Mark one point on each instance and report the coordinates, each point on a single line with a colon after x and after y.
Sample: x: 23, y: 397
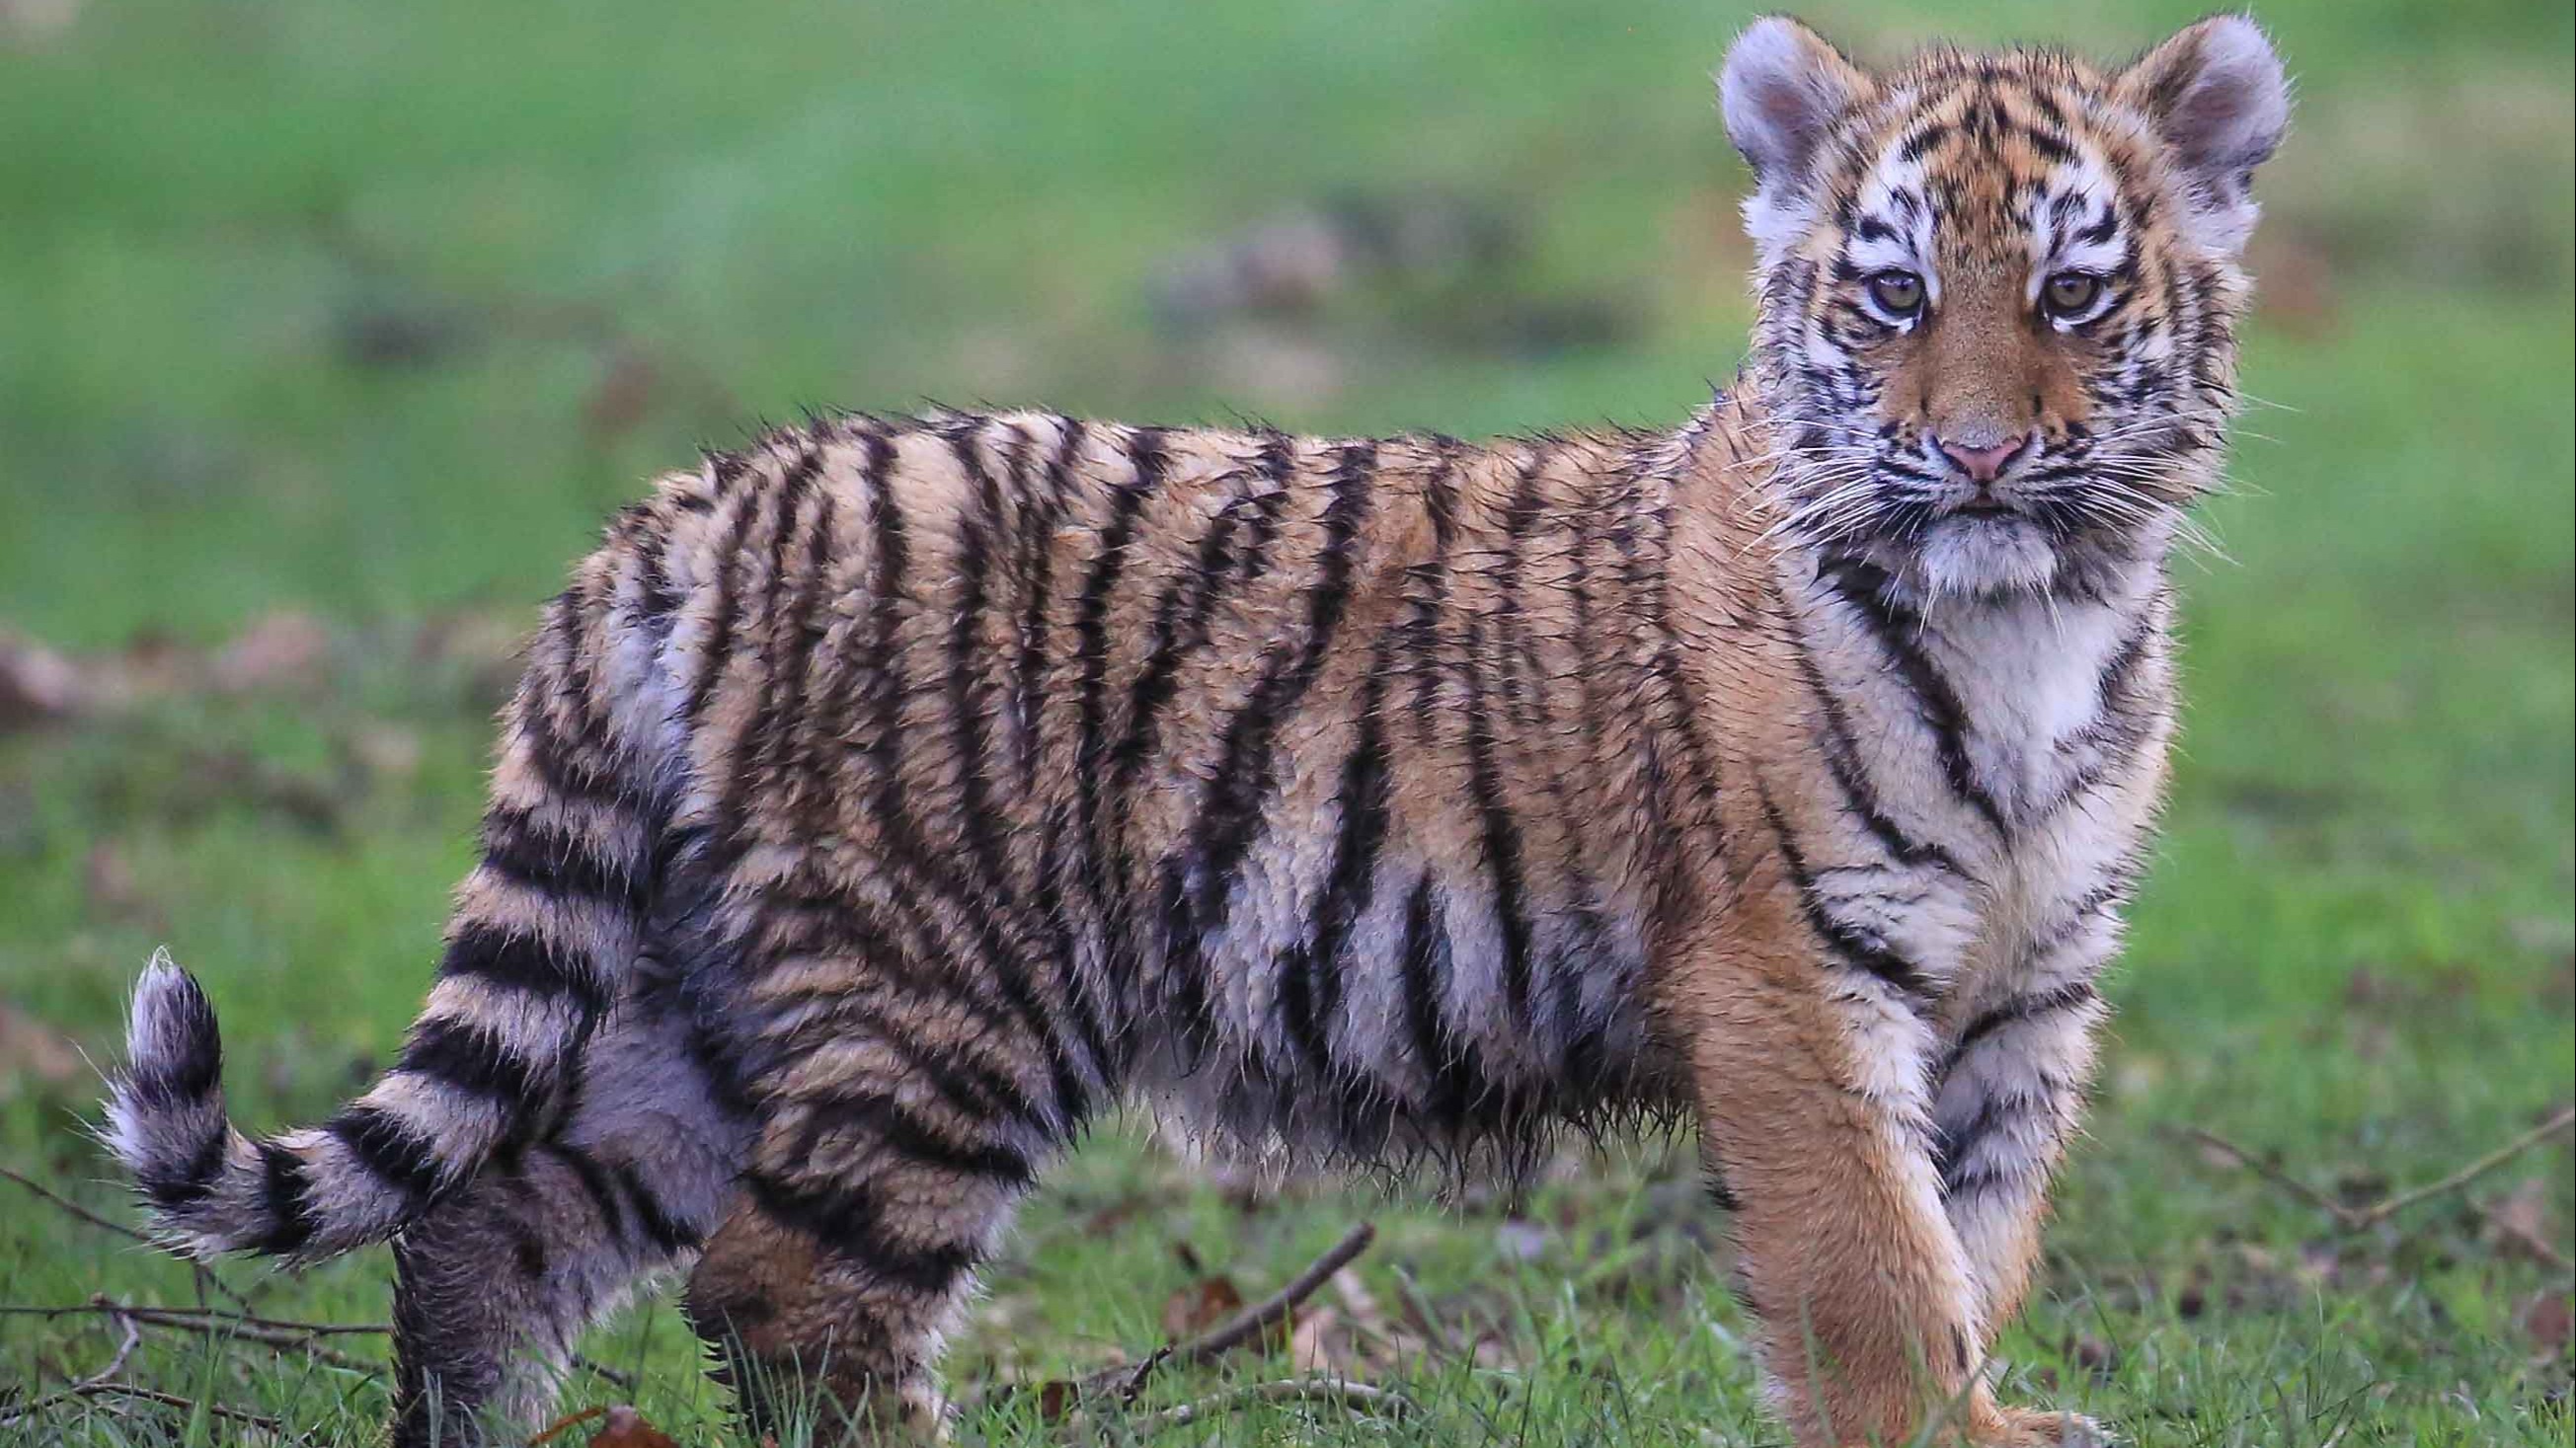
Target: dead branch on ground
x: 2360, y: 1219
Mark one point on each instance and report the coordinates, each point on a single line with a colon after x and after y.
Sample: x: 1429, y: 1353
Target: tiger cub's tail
x: 546, y: 929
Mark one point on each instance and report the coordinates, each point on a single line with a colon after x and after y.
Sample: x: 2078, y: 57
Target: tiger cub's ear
x: 2215, y: 95
x: 1782, y: 89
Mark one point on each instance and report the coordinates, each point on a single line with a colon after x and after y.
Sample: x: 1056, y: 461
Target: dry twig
x: 2357, y: 1219
x: 277, y: 1332
x: 73, y: 1208
x: 206, y: 1277
x: 1125, y: 1382
x: 87, y: 1389
x: 1349, y: 1396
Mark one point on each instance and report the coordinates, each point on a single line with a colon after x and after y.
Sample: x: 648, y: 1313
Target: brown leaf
x: 1322, y: 1343
x: 626, y: 1428
x: 563, y: 1425
x: 2550, y: 1319
x: 1201, y: 1305
x: 1057, y: 1398
x: 2521, y: 1220
x: 1360, y: 1303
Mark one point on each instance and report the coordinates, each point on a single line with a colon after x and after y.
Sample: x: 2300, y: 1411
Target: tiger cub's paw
x: 2043, y: 1428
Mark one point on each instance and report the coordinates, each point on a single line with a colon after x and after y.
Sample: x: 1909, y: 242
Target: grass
x: 371, y: 314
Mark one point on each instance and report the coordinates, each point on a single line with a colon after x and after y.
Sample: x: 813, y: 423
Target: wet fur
x: 888, y: 800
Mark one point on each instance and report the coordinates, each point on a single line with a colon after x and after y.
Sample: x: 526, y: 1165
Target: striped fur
x: 891, y: 798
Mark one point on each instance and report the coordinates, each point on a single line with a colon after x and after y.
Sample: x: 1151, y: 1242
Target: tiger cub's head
x: 1999, y: 293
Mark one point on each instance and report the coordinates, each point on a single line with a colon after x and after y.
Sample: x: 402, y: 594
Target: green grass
x: 2357, y: 953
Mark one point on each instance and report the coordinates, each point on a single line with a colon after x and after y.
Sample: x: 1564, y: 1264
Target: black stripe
x: 1511, y: 639
x: 473, y: 1060
x: 1037, y: 562
x: 559, y: 765
x: 768, y: 734
x: 2013, y: 1012
x: 577, y: 691
x: 977, y: 527
x: 284, y: 1187
x: 1699, y: 758
x: 595, y: 1184
x: 717, y: 652
x: 392, y: 1149
x: 1088, y: 865
x: 787, y: 751
x: 1181, y: 615
x: 857, y: 928
x: 1864, y: 588
x: 1951, y: 1146
x: 1500, y: 837
x: 1199, y: 880
x: 1037, y: 569
x: 1310, y: 977
x: 667, y: 1233
x: 1453, y: 1082
x: 194, y: 1180
x: 662, y: 598
x: 1146, y: 460
x: 1850, y: 775
x: 1856, y: 948
x: 1641, y: 585
x: 878, y: 1115
x: 544, y: 858
x: 878, y: 678
x: 849, y: 1223
x: 489, y: 952
x: 1427, y: 586
x: 907, y: 856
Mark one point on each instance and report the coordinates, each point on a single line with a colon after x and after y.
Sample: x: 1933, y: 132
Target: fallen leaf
x: 2521, y: 1220
x: 1322, y: 1344
x: 626, y: 1428
x: 560, y: 1426
x: 1057, y: 1398
x: 1201, y: 1305
x: 2550, y: 1319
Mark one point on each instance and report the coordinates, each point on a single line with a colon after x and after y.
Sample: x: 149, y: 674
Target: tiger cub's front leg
x: 2010, y: 1096
x: 1812, y: 1084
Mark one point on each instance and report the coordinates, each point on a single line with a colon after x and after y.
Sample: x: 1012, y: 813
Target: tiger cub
x: 887, y: 800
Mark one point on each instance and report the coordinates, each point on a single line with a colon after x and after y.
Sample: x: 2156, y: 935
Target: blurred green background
x: 328, y: 333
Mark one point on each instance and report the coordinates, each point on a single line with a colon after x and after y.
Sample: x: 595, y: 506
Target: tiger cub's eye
x: 2071, y: 294
x: 1898, y: 293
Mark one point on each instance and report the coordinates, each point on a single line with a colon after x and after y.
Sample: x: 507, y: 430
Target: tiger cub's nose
x: 1984, y: 464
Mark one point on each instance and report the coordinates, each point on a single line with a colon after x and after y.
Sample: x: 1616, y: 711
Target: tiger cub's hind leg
x: 843, y: 1290
x: 495, y: 1286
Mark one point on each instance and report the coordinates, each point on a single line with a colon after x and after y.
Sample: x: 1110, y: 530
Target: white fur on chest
x: 2071, y: 789
x: 2028, y: 673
